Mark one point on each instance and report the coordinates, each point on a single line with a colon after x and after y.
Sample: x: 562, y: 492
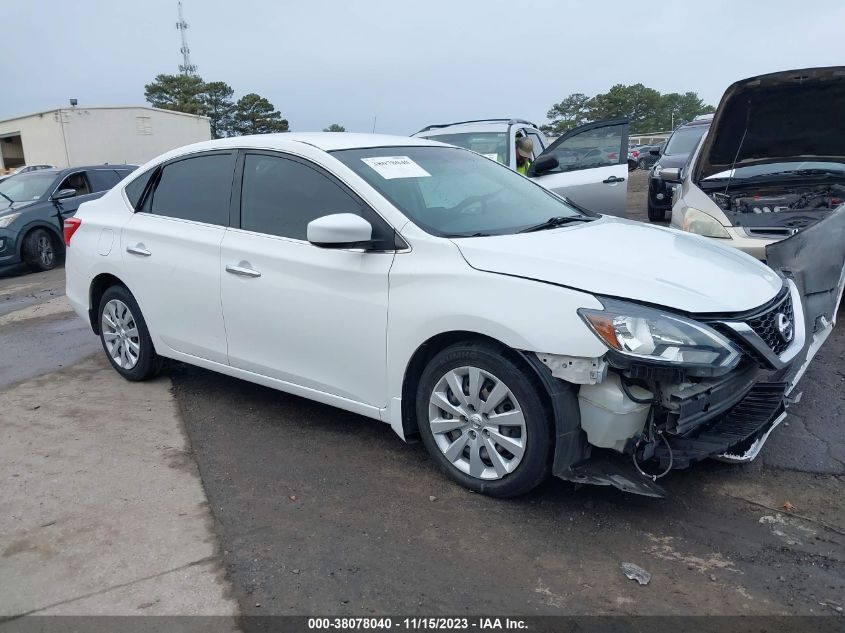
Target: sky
x: 404, y: 64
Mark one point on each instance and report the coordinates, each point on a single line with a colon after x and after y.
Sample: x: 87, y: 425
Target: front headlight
x: 700, y: 223
x: 655, y: 171
x: 652, y: 335
x: 6, y: 220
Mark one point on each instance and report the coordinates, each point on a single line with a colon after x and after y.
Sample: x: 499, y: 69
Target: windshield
x: 454, y: 193
x: 753, y: 171
x: 685, y: 139
x: 26, y: 187
x: 490, y: 144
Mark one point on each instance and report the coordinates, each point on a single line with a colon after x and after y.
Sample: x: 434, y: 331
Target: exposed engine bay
x: 784, y: 210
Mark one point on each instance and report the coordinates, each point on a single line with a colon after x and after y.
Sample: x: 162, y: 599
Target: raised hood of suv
x: 787, y: 116
x: 630, y: 260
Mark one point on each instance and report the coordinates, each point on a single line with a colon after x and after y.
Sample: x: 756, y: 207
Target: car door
x: 171, y: 251
x: 311, y: 316
x: 592, y: 166
x: 67, y: 207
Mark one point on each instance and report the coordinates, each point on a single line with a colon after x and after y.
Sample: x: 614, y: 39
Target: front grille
x: 765, y: 324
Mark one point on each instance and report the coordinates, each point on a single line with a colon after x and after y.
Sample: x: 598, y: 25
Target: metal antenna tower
x: 186, y: 67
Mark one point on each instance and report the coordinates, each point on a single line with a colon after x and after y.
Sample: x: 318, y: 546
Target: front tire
x: 656, y: 215
x: 482, y: 420
x: 125, y: 337
x: 39, y: 250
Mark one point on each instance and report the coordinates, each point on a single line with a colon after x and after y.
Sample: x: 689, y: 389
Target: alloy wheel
x: 46, y: 253
x: 120, y: 333
x: 477, y: 423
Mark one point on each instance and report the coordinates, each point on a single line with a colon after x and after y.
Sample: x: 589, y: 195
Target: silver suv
x: 587, y: 165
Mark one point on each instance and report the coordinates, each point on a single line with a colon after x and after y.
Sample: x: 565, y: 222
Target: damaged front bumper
x: 730, y: 418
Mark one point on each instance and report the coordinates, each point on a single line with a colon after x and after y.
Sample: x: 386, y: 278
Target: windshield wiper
x: 555, y: 222
x: 7, y: 197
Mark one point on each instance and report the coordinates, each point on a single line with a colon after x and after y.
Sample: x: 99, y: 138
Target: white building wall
x: 88, y: 136
x: 128, y: 135
x: 41, y: 137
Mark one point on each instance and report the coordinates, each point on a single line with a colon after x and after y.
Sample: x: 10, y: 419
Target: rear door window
x: 197, y: 188
x: 102, y: 179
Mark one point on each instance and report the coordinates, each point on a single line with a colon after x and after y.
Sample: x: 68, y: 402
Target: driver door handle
x: 243, y: 271
x: 138, y: 250
x: 613, y: 179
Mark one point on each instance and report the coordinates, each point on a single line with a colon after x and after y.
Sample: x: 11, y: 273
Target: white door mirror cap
x: 340, y: 230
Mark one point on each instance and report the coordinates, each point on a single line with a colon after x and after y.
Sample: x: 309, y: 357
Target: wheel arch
x: 98, y: 287
x: 434, y: 344
x: 58, y: 239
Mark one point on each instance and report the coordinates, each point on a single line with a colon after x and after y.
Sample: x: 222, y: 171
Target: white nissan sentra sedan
x: 455, y: 300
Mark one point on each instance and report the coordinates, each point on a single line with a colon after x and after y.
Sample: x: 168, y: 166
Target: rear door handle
x: 613, y: 179
x: 243, y: 271
x: 137, y: 250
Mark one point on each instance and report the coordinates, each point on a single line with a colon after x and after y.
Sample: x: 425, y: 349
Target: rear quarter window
x: 135, y: 189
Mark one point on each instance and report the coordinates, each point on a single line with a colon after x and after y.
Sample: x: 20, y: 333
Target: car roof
x: 326, y: 141
x: 57, y: 171
x: 478, y: 125
x: 694, y: 122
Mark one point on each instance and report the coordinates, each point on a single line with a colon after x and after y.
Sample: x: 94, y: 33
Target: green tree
x: 569, y: 113
x: 334, y: 127
x: 638, y: 104
x: 256, y: 115
x: 216, y: 103
x: 645, y: 108
x: 176, y: 92
x: 682, y: 108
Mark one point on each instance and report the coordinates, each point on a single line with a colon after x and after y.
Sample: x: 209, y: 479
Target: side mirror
x: 340, y: 230
x: 654, y: 152
x: 61, y: 194
x: 544, y: 164
x: 670, y: 174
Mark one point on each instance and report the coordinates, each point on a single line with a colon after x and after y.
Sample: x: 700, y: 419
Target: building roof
x: 82, y: 109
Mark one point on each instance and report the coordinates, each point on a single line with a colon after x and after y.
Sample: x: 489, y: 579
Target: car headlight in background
x: 700, y: 223
x: 651, y: 335
x: 6, y: 220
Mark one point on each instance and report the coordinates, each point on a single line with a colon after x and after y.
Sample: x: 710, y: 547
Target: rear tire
x: 502, y: 450
x: 125, y: 337
x: 656, y: 215
x: 642, y: 164
x: 39, y: 250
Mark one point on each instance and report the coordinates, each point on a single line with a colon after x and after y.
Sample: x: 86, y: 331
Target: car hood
x: 631, y: 260
x: 8, y: 207
x: 672, y: 160
x: 793, y: 115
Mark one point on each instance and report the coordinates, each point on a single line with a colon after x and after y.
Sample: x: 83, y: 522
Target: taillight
x: 71, y: 224
x: 611, y: 156
x: 634, y: 154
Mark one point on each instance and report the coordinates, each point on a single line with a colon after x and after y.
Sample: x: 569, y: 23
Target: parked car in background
x: 34, y: 206
x: 647, y: 155
x: 479, y: 311
x: 633, y: 155
x: 23, y: 170
x: 587, y: 165
x: 674, y: 154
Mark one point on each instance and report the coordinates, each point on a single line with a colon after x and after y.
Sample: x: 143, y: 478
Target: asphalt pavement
x: 318, y: 511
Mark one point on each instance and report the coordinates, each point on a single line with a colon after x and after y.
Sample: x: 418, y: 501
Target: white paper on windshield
x: 492, y: 157
x: 390, y: 167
